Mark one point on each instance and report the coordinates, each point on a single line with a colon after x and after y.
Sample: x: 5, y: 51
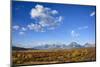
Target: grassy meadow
x: 28, y: 57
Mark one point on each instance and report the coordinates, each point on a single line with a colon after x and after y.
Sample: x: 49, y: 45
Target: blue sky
x: 38, y: 23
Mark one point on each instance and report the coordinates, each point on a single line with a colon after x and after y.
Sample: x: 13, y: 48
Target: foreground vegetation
x: 34, y: 57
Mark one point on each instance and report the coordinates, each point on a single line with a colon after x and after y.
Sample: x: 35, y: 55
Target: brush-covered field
x: 27, y: 57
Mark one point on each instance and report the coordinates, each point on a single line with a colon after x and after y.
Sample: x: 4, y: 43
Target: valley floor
x: 34, y: 57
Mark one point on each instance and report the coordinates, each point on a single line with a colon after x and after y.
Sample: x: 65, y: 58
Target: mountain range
x: 56, y: 46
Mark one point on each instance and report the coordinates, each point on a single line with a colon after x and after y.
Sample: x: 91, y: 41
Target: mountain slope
x: 89, y: 45
x: 74, y: 45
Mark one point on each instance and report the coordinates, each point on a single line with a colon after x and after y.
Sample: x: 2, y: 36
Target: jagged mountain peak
x: 74, y: 44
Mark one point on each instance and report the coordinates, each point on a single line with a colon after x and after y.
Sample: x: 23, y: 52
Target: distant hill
x: 18, y: 48
x: 21, y: 48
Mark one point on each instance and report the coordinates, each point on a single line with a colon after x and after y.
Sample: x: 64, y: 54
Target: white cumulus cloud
x: 23, y: 29
x: 54, y: 12
x: 35, y: 27
x: 38, y: 11
x: 92, y: 14
x: 46, y: 17
x: 74, y: 33
x: 21, y: 32
x: 16, y: 27
x: 83, y: 27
